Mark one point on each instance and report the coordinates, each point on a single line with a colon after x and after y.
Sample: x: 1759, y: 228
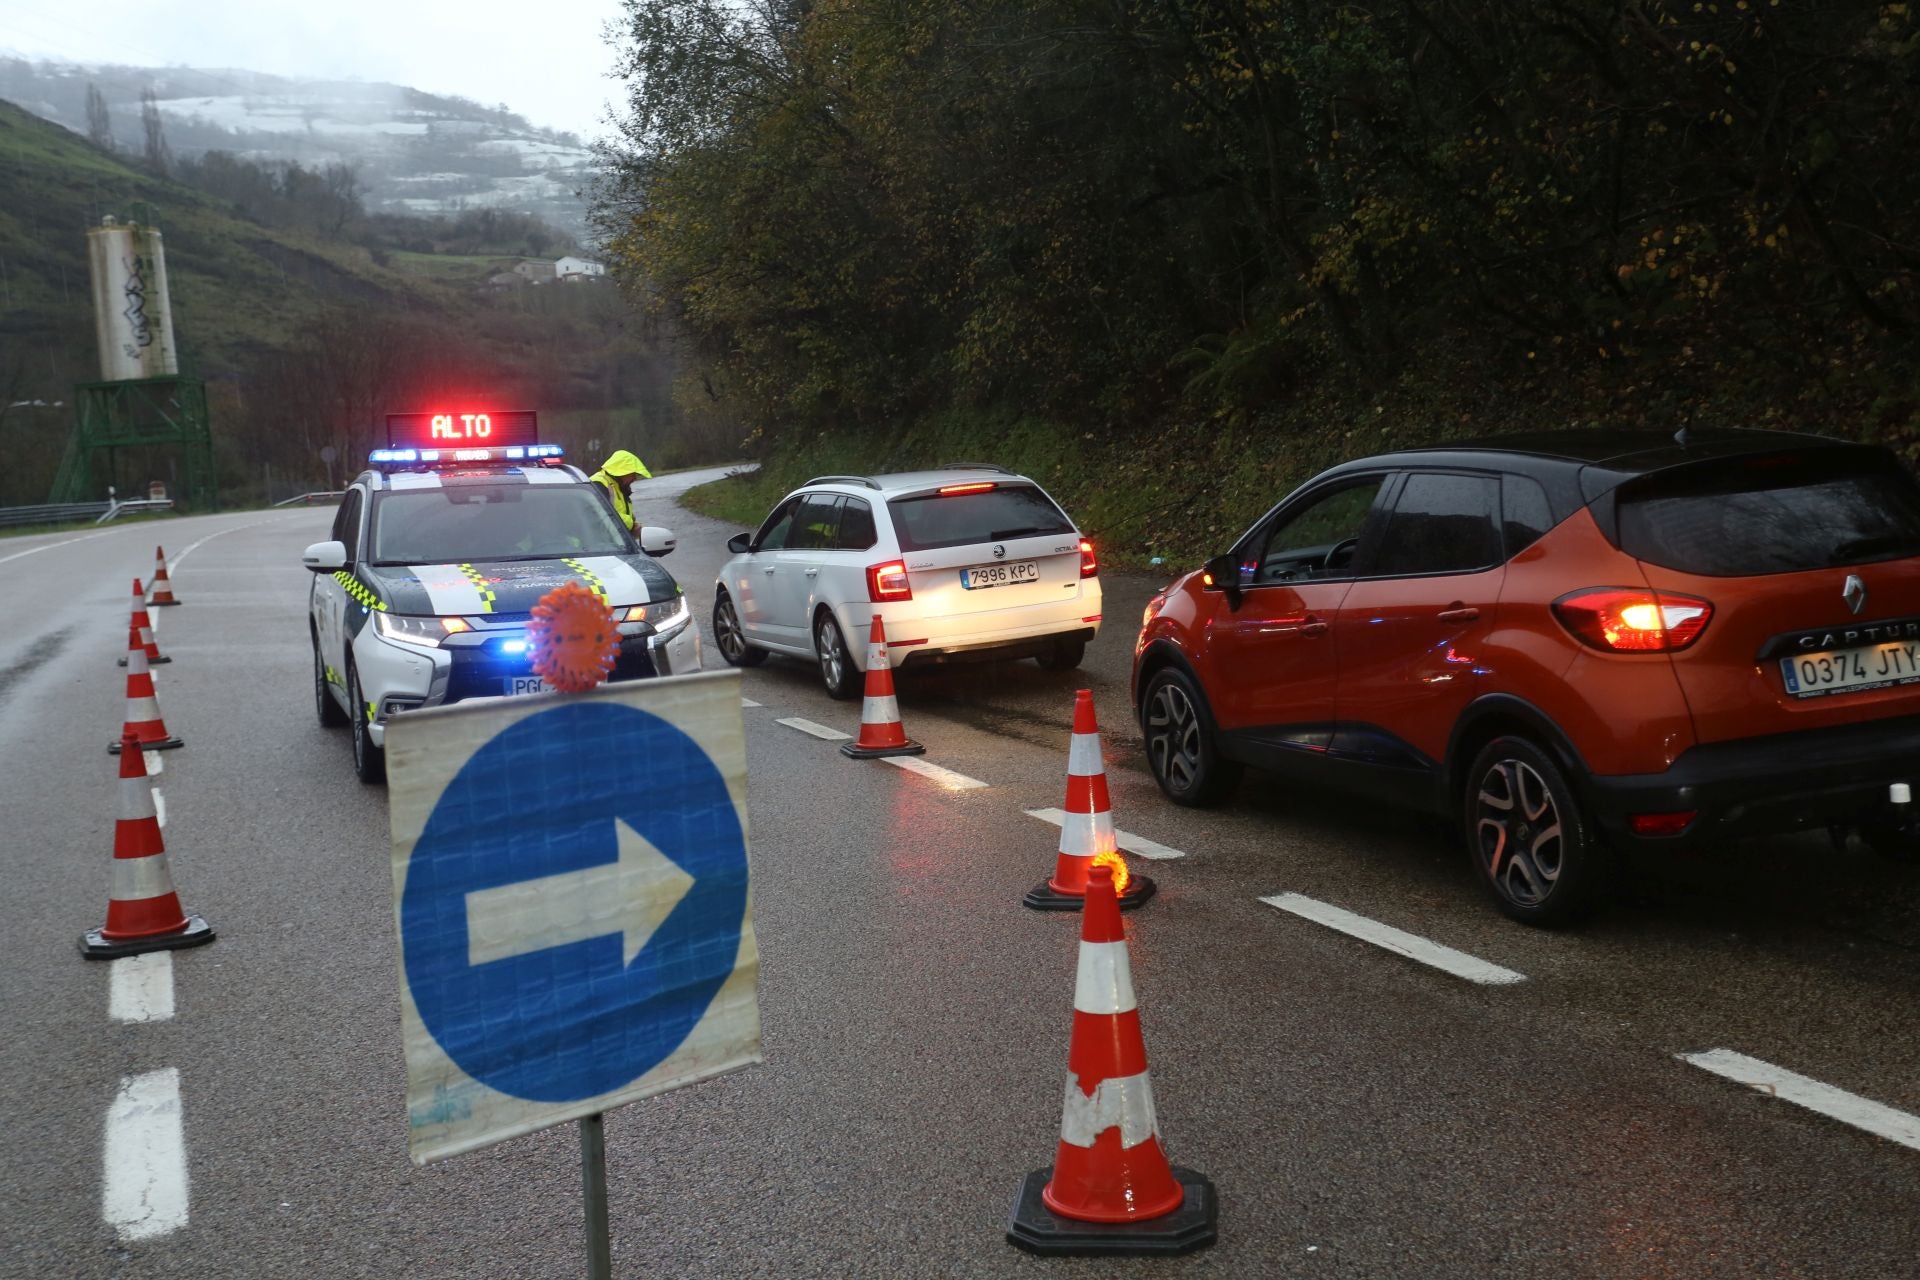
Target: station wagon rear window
x: 990, y: 515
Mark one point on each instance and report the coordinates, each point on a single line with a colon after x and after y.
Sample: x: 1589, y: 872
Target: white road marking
x: 1134, y: 844
x: 217, y: 533
x: 48, y: 546
x: 145, y: 1191
x: 945, y: 777
x: 159, y: 807
x: 748, y: 702
x: 155, y: 763
x: 817, y: 730
x: 1837, y: 1104
x: 1398, y: 941
x: 140, y: 988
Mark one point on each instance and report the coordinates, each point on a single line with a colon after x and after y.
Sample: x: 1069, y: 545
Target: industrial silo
x: 132, y: 314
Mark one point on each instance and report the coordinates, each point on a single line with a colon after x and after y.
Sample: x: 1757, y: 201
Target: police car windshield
x: 456, y: 523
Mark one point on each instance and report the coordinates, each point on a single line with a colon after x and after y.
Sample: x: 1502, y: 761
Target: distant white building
x: 565, y: 267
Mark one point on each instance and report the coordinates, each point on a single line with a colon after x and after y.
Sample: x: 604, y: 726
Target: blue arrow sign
x: 574, y: 902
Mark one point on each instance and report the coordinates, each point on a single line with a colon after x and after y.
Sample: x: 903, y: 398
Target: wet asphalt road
x: 1362, y: 1115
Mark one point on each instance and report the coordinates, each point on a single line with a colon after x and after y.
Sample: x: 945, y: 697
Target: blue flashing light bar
x: 507, y: 453
x: 394, y: 455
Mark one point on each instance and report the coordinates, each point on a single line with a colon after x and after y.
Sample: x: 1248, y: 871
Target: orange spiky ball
x: 573, y: 638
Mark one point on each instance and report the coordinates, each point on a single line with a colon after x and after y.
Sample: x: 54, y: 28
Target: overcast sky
x: 546, y: 60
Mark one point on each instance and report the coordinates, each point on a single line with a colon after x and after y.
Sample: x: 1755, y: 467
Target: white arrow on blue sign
x: 572, y: 894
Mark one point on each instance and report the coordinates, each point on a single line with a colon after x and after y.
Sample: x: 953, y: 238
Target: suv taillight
x: 1089, y: 565
x: 1625, y: 620
x: 888, y: 582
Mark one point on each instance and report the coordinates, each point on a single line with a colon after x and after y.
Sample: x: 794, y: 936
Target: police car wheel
x: 837, y: 672
x: 324, y: 704
x: 732, y: 637
x: 369, y: 761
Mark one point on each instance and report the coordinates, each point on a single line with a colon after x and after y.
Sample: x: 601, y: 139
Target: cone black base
x: 164, y: 744
x: 152, y: 662
x: 907, y: 748
x: 95, y: 947
x: 1044, y: 897
x: 162, y: 604
x: 1038, y: 1229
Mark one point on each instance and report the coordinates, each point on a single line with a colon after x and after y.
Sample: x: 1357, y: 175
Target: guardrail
x: 54, y: 513
x: 310, y: 499
x: 114, y: 508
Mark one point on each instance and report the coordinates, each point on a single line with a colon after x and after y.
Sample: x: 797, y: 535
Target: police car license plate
x: 999, y: 575
x: 527, y: 684
x: 1879, y: 666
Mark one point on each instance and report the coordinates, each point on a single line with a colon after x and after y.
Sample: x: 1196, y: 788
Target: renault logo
x: 1000, y: 553
x: 1854, y: 593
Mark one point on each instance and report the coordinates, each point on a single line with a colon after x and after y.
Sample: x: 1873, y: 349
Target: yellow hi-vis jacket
x: 620, y: 464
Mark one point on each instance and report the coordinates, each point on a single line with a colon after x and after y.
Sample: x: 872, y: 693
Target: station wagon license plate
x: 527, y: 684
x: 999, y: 575
x: 1880, y: 666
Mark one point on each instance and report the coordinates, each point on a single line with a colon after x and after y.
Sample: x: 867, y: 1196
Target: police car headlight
x: 668, y: 617
x: 425, y: 632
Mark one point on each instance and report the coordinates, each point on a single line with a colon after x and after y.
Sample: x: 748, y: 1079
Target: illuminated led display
x: 463, y: 427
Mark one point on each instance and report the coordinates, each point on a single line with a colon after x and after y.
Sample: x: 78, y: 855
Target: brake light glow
x: 951, y: 489
x: 888, y: 582
x: 1661, y: 824
x: 1089, y: 563
x: 1626, y: 620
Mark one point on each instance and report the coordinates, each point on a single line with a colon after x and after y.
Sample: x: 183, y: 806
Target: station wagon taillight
x: 888, y: 582
x: 1089, y: 564
x: 1626, y: 620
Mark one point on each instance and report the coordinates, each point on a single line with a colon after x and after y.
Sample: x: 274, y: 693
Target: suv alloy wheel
x: 324, y: 705
x: 369, y: 761
x: 1529, y: 839
x: 1181, y: 749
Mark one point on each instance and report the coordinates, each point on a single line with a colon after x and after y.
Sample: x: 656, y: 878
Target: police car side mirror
x: 325, y: 557
x: 656, y: 541
x: 740, y: 543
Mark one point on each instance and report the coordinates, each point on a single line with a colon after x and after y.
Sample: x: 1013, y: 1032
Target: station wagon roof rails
x: 860, y: 480
x: 975, y: 466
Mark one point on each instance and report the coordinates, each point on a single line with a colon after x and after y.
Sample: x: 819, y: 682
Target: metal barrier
x: 54, y: 513
x: 310, y: 499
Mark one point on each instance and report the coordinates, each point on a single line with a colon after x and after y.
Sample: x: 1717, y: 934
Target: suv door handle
x: 813, y: 573
x: 768, y: 569
x: 1313, y: 627
x: 1460, y: 613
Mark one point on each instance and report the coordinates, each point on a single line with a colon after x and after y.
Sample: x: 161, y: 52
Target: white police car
x: 438, y: 555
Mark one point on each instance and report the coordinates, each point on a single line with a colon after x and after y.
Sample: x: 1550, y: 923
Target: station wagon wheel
x: 731, y: 636
x: 1182, y: 749
x: 1530, y: 840
x: 837, y: 671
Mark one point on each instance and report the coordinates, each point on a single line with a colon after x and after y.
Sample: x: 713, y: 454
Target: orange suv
x: 1573, y: 644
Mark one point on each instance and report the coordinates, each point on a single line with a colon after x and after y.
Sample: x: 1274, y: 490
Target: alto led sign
x: 455, y: 428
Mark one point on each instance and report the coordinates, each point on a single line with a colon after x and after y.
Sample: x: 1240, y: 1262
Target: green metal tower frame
x: 140, y: 412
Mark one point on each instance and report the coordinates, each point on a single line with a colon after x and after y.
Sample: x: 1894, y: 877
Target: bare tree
x: 99, y: 123
x: 159, y: 157
x: 343, y: 193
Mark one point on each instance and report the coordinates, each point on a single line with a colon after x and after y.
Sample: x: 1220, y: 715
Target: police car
x: 441, y: 549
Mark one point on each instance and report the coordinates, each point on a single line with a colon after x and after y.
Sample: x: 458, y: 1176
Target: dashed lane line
x: 144, y: 1194
x: 140, y: 988
x: 155, y: 763
x: 159, y: 807
x: 1836, y: 1104
x: 1134, y: 844
x: 944, y: 777
x: 1398, y: 941
x: 817, y: 730
x: 748, y: 702
x: 49, y: 546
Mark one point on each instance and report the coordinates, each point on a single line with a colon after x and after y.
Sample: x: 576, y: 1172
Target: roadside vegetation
x: 1172, y: 255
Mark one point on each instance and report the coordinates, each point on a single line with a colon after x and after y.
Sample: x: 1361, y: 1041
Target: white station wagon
x: 965, y: 563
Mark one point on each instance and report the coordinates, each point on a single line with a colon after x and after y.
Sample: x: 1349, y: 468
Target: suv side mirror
x: 1222, y: 573
x: 740, y: 543
x: 325, y: 557
x: 656, y: 541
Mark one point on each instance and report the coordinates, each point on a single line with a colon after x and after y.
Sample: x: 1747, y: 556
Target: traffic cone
x: 880, y: 731
x: 1110, y: 1189
x: 162, y: 585
x: 1086, y: 836
x: 144, y: 625
x: 143, y: 910
x: 144, y: 724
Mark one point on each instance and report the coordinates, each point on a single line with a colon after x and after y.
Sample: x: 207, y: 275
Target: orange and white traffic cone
x: 1111, y: 1189
x: 144, y: 724
x: 144, y: 625
x: 1086, y: 833
x: 162, y: 585
x: 880, y: 731
x: 143, y: 909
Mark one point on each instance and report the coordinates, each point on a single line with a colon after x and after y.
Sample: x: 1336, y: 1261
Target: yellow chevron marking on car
x: 479, y: 581
x: 592, y: 581
x: 359, y: 590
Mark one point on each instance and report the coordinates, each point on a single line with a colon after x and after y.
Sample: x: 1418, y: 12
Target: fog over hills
x: 416, y: 152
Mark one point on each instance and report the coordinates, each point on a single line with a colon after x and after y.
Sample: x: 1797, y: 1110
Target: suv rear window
x: 1773, y: 514
x: 955, y: 519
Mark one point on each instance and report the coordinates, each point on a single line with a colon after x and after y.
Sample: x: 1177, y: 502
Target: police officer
x: 618, y: 475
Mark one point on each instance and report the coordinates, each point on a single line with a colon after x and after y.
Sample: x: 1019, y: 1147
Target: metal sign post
x: 593, y: 1187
